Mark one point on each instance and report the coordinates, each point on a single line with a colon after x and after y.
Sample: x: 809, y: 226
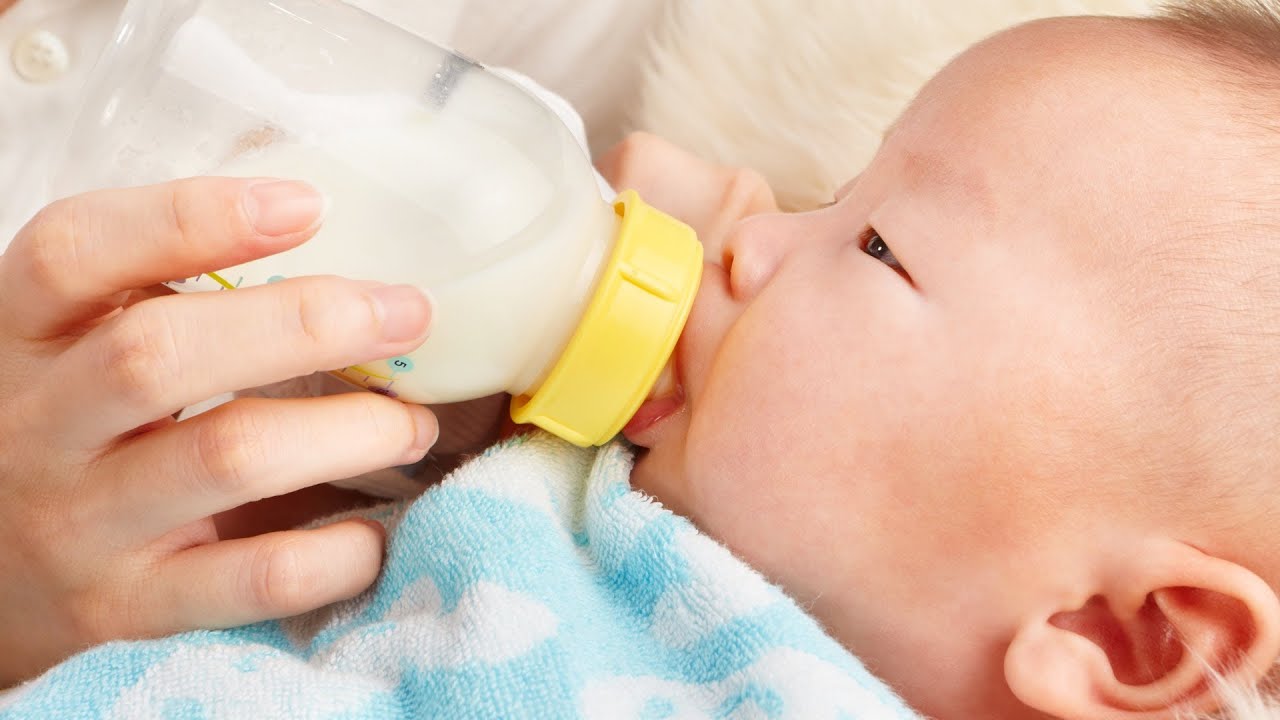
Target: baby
x: 1000, y: 417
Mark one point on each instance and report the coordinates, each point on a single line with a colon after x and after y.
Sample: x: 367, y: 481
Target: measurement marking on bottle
x: 367, y: 373
x: 362, y: 375
x: 221, y: 281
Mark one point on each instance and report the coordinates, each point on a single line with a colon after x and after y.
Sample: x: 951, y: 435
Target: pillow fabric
x: 802, y: 90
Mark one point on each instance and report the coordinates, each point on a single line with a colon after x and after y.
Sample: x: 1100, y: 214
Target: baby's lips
x: 665, y: 398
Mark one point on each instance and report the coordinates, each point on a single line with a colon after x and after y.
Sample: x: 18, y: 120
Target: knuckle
x: 49, y: 244
x: 140, y: 357
x: 86, y: 616
x: 277, y: 580
x: 229, y: 449
x: 189, y: 204
x: 177, y: 207
x: 390, y: 421
x: 328, y: 314
x: 97, y: 615
x: 316, y: 321
x: 215, y: 206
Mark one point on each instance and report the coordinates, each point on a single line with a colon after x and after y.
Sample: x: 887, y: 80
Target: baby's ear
x: 1165, y: 624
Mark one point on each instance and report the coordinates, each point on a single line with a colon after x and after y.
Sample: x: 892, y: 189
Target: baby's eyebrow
x: 932, y: 186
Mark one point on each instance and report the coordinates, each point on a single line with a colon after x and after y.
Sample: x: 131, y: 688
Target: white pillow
x: 801, y: 90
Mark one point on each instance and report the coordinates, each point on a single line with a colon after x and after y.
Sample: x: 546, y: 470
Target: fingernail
x: 405, y: 312
x: 426, y: 431
x: 283, y: 207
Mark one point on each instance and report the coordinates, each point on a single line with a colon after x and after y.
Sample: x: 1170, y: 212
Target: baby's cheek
x: 746, y: 441
x: 763, y: 501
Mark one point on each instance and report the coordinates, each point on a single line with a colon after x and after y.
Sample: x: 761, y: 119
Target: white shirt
x: 586, y: 51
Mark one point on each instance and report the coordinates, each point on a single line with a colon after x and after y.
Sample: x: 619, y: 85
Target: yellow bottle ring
x: 627, y: 333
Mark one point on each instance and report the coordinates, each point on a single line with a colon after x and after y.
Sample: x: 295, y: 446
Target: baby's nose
x: 753, y: 250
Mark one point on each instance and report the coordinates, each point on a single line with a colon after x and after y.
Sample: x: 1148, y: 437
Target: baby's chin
x: 647, y: 471
x: 659, y: 474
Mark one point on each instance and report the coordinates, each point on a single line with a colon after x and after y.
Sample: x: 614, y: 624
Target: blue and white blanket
x: 532, y: 583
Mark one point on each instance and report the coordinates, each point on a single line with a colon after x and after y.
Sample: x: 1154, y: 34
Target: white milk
x: 507, y: 244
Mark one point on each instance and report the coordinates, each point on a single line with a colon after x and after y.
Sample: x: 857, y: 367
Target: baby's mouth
x: 666, y: 397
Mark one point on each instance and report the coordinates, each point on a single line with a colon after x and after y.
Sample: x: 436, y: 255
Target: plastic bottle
x: 438, y: 172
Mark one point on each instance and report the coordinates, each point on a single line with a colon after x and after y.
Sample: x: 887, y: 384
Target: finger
x: 167, y: 353
x: 237, y: 582
x: 250, y: 449
x: 707, y: 196
x: 290, y: 511
x: 76, y: 257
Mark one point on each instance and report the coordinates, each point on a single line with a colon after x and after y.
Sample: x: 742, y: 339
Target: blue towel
x: 532, y: 583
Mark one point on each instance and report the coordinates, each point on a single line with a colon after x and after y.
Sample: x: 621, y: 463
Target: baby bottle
x: 438, y: 172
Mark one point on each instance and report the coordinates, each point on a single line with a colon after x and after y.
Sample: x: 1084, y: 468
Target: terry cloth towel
x: 532, y: 583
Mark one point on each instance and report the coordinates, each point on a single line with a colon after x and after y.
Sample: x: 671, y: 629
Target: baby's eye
x: 876, y: 247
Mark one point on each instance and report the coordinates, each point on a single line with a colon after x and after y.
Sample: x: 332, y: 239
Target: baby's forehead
x: 1042, y: 78
x: 1087, y: 123
x: 1087, y: 151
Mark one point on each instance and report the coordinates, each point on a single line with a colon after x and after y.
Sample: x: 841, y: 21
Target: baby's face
x: 903, y: 445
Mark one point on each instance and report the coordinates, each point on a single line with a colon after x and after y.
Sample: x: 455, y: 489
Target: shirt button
x: 40, y: 57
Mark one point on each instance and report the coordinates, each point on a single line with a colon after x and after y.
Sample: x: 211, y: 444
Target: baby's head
x: 1003, y: 416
